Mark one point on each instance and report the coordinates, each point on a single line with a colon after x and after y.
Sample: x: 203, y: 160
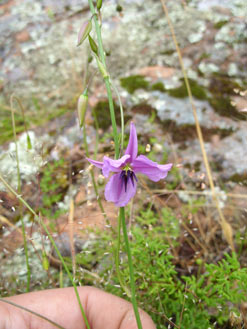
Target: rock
x: 30, y: 160
x: 63, y: 244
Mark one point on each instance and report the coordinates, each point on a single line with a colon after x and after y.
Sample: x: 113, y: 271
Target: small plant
x: 188, y: 301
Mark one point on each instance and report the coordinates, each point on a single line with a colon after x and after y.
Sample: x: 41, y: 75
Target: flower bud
x: 93, y: 45
x: 82, y: 107
x: 99, y: 4
x: 84, y: 32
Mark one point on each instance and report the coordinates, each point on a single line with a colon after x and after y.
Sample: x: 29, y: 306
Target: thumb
x: 102, y: 309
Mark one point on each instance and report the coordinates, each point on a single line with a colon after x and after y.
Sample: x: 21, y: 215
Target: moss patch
x: 143, y: 108
x: 239, y: 178
x: 223, y: 85
x: 168, y: 52
x: 158, y: 86
x: 198, y: 91
x: 103, y: 114
x: 219, y: 24
x: 222, y: 89
x: 134, y: 82
x: 180, y: 133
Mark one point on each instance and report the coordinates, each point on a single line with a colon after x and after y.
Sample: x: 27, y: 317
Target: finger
x: 103, y: 310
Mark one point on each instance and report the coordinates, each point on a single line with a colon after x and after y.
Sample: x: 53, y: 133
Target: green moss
x: 143, y: 108
x: 102, y: 112
x: 222, y: 105
x: 168, y: 52
x: 223, y: 85
x: 133, y: 83
x: 221, y: 90
x: 239, y: 178
x: 204, y: 56
x: 158, y: 86
x: 181, y: 133
x: 198, y: 91
x: 219, y: 24
x: 197, y: 166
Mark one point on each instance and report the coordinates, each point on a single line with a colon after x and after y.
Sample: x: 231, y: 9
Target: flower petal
x: 110, y: 165
x: 96, y: 163
x: 115, y: 190
x: 132, y: 148
x: 152, y: 169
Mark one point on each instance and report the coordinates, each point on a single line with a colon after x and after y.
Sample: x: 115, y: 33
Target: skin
x: 103, y: 310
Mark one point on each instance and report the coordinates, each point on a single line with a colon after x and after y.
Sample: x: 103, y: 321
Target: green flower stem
x: 19, y: 192
x: 37, y: 218
x: 107, y: 79
x: 112, y: 113
x: 132, y: 279
x: 32, y: 312
x: 120, y: 279
x: 122, y: 117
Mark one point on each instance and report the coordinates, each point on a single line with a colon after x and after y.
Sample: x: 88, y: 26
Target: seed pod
x: 99, y: 4
x: 84, y: 32
x: 82, y: 107
x: 93, y: 45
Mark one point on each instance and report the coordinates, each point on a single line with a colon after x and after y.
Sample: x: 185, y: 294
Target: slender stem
x: 107, y: 81
x: 122, y: 117
x: 37, y: 218
x: 132, y: 279
x: 32, y: 312
x: 19, y: 192
x: 120, y: 279
x: 112, y: 113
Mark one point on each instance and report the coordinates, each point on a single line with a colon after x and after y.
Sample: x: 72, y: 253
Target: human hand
x: 103, y: 310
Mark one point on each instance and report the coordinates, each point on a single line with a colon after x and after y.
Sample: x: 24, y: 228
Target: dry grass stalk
x: 227, y: 230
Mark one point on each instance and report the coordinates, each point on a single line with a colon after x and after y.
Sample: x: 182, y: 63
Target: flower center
x: 126, y: 175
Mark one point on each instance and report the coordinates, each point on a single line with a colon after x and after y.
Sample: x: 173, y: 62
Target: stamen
x: 125, y: 182
x: 132, y: 179
x: 135, y: 176
x: 125, y: 176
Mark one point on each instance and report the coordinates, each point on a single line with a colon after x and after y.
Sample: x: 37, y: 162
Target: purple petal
x: 115, y: 191
x: 111, y: 165
x: 96, y: 163
x: 152, y: 169
x: 132, y: 148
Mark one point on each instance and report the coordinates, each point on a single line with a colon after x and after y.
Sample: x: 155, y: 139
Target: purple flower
x: 122, y: 185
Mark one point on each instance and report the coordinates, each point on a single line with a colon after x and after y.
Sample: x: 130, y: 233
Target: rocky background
x: 41, y: 64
